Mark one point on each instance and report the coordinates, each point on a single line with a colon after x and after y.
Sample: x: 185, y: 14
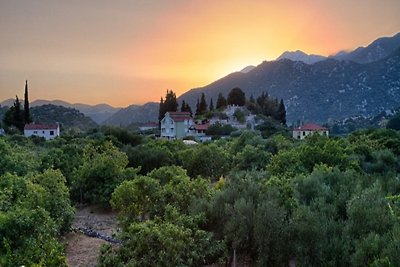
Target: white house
x: 304, y: 130
x: 48, y: 131
x: 176, y: 125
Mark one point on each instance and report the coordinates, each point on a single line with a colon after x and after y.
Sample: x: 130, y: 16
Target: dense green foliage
x: 265, y: 197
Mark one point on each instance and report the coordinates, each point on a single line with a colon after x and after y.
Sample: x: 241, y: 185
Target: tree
x: 27, y: 116
x: 211, y: 105
x: 14, y: 117
x: 103, y: 169
x: 221, y: 101
x: 161, y: 110
x: 236, y: 97
x: 186, y: 107
x: 201, y: 106
x: 394, y: 123
x: 169, y: 104
x: 281, y: 114
x: 18, y: 118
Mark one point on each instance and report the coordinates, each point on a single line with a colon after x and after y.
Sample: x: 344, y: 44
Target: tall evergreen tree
x: 282, y: 112
x: 186, y: 108
x: 211, y: 105
x: 183, y: 106
x: 198, y: 108
x: 161, y: 110
x: 18, y: 117
x: 169, y: 104
x: 202, y: 108
x: 221, y: 101
x: 252, y: 100
x: 27, y: 116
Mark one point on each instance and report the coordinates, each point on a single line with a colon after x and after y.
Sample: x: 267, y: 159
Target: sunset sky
x: 126, y: 52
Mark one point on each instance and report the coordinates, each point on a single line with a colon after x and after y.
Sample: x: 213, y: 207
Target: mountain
x: 377, y: 50
x: 326, y: 89
x: 134, y: 114
x: 68, y: 118
x: 247, y: 69
x: 301, y: 56
x: 98, y: 113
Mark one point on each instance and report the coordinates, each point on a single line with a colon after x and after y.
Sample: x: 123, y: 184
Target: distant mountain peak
x: 299, y: 55
x: 247, y: 69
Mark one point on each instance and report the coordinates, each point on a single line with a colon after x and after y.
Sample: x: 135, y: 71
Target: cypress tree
x: 211, y: 105
x: 202, y: 109
x: 169, y: 104
x: 282, y: 112
x: 161, y: 111
x: 18, y: 118
x: 221, y: 101
x: 27, y: 116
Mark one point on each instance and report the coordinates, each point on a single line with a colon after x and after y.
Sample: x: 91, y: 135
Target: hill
x: 134, y: 114
x: 316, y: 92
x: 68, y: 118
x: 98, y: 113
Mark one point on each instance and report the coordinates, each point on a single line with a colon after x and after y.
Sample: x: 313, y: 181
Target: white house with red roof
x: 307, y: 129
x: 176, y: 125
x: 48, y: 131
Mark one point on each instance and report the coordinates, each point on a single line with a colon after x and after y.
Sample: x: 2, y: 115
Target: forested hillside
x: 268, y: 200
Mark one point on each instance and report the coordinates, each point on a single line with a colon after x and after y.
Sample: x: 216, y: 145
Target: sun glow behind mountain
x: 126, y: 52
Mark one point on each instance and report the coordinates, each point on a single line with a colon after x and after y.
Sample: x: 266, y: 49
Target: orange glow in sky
x: 131, y: 52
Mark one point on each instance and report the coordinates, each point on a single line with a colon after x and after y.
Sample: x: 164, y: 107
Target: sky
x: 125, y: 52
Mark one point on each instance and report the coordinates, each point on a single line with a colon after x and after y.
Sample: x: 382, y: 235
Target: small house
x: 47, y: 131
x: 307, y: 129
x: 176, y: 125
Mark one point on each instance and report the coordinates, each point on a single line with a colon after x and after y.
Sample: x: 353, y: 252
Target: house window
x: 51, y: 132
x: 35, y: 132
x: 304, y: 133
x: 42, y: 132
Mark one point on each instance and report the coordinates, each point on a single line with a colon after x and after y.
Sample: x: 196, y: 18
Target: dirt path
x: 81, y: 250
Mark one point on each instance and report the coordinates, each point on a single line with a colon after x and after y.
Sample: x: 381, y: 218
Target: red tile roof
x: 180, y: 116
x: 310, y: 127
x: 201, y: 127
x: 34, y: 126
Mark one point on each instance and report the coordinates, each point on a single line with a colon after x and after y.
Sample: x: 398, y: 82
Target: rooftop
x: 33, y: 126
x: 310, y: 127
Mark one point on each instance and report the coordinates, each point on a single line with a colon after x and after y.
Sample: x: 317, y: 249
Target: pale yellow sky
x: 131, y: 52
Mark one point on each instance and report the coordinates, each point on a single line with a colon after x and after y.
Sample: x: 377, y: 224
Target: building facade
x: 47, y: 131
x: 308, y: 129
x: 176, y: 125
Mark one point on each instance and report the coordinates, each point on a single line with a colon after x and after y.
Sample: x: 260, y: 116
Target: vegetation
x: 262, y: 196
x: 169, y: 104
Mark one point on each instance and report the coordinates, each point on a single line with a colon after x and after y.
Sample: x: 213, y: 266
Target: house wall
x: 48, y: 134
x: 300, y: 135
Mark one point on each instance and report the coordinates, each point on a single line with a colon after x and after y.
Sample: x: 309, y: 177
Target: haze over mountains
x: 364, y: 82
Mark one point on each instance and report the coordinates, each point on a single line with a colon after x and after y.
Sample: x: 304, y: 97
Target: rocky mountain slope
x: 326, y: 89
x: 377, y: 50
